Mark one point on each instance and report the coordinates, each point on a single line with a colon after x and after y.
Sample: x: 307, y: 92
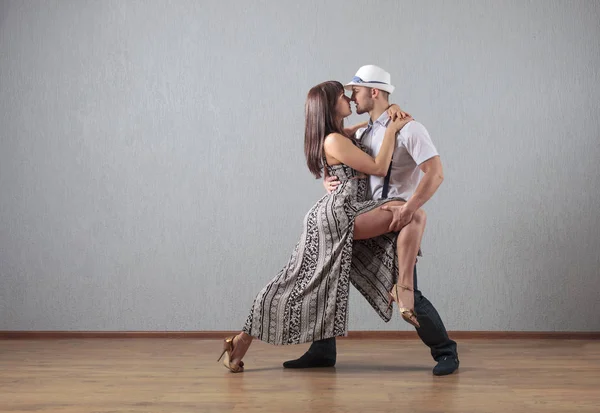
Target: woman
x: 307, y: 300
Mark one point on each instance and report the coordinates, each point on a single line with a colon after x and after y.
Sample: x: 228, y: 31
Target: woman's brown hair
x: 320, y: 121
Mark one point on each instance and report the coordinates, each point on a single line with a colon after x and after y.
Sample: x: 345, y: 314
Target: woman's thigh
x: 374, y: 223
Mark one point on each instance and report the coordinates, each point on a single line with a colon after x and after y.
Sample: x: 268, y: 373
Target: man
x: 371, y: 273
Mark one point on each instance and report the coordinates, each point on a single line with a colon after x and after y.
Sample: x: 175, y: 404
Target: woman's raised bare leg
x: 376, y: 222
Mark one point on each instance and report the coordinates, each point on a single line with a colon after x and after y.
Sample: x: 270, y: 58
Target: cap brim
x: 380, y: 86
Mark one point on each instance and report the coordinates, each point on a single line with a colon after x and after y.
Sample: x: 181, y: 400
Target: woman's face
x: 342, y: 107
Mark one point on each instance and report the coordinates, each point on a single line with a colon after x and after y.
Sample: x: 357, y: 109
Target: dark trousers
x: 432, y: 331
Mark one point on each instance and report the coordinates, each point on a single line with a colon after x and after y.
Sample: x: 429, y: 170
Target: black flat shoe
x: 321, y: 353
x: 446, y: 365
x: 309, y: 361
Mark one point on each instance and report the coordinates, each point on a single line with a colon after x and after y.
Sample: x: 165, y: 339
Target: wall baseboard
x: 364, y: 335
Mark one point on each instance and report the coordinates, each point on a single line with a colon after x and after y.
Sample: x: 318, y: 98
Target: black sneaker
x: 446, y: 365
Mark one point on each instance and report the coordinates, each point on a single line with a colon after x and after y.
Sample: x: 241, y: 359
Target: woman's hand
x: 395, y: 112
x: 399, y: 123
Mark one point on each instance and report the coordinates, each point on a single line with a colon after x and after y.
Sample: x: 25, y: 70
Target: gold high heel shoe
x: 227, y: 350
x: 408, y: 314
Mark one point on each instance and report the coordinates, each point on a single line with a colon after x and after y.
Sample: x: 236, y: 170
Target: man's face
x: 361, y: 96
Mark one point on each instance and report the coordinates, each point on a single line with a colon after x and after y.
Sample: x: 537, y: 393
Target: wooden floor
x: 181, y: 375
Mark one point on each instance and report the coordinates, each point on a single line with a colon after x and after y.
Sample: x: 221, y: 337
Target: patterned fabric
x: 374, y: 271
x: 308, y: 299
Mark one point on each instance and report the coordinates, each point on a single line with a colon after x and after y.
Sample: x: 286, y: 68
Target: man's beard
x: 364, y: 109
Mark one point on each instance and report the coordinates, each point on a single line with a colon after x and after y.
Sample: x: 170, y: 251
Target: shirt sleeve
x: 418, y: 143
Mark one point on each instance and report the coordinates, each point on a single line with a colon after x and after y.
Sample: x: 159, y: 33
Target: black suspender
x: 386, y: 181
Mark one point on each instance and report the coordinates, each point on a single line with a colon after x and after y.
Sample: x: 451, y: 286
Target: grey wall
x: 151, y: 155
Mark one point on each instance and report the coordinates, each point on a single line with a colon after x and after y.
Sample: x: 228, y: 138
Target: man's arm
x: 330, y: 182
x: 430, y: 182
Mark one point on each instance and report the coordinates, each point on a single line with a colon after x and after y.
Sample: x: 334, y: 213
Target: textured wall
x: 151, y: 155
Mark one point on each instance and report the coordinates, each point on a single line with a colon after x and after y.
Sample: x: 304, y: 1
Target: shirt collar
x: 382, y: 120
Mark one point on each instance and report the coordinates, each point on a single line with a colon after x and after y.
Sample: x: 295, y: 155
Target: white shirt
x: 413, y: 147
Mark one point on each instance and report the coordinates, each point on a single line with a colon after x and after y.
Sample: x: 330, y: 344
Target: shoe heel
x: 405, y: 313
x: 227, y: 345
